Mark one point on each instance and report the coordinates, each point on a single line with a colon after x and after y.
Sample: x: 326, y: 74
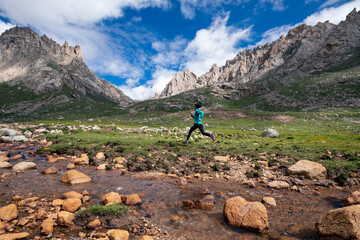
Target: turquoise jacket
x: 198, y: 116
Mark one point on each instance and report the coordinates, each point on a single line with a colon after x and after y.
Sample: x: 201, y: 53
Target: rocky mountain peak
x: 305, y: 50
x: 42, y: 65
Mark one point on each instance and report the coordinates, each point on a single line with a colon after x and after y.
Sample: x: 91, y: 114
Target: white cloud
x: 161, y: 77
x: 333, y: 14
x: 277, y: 5
x: 274, y: 33
x: 5, y: 26
x: 329, y: 3
x: 215, y: 44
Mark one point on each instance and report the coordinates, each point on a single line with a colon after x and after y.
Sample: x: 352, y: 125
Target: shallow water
x: 295, y: 214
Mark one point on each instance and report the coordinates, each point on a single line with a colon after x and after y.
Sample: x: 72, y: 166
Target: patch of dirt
x: 283, y: 119
x: 107, y: 220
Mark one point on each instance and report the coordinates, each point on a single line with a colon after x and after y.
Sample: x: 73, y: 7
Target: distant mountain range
x: 306, y: 50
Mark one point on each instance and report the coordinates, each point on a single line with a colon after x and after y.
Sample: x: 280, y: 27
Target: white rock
x: 22, y: 166
x: 271, y: 133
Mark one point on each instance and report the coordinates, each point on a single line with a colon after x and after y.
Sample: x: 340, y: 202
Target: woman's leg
x: 201, y: 128
x: 193, y: 128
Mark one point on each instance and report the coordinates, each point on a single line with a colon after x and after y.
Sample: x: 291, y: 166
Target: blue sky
x: 139, y: 45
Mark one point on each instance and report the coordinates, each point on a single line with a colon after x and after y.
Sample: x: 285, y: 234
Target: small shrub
x: 112, y: 209
x: 107, y: 167
x: 217, y: 166
x: 252, y: 174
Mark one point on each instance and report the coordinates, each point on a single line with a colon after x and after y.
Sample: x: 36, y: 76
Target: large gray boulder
x: 8, y: 135
x: 343, y: 223
x: 271, y: 133
x: 308, y: 169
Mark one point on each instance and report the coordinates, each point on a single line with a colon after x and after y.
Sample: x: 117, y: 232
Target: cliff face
x: 305, y: 50
x: 43, y: 65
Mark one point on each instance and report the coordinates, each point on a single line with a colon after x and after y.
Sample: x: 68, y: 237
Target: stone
x: 308, y: 169
x: 72, y: 194
x: 182, y: 181
x: 85, y: 193
x: 82, y: 160
x: 70, y: 166
x: 119, y: 160
x: 146, y: 237
x: 9, y: 212
x: 278, y: 184
x: 132, y: 199
x: 94, y: 224
x: 354, y: 198
x: 117, y: 234
x: 23, y: 221
x: 41, y: 214
x: 22, y: 166
x: 189, y: 204
x: 57, y: 202
x: 269, y: 201
x: 50, y: 170
x: 9, y: 132
x: 65, y: 218
x: 14, y: 236
x: 342, y: 223
x: 4, y: 158
x: 222, y: 158
x: 19, y: 139
x: 246, y: 215
x: 75, y: 177
x: 206, y: 203
x: 270, y: 133
x: 85, y: 199
x: 71, y: 204
x: 101, y: 166
x: 5, y: 165
x: 100, y: 156
x: 47, y: 226
x: 111, y: 198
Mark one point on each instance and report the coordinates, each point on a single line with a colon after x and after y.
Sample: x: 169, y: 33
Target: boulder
x: 19, y: 139
x: 5, y: 165
x: 111, y: 198
x: 269, y: 201
x: 82, y: 160
x: 71, y: 204
x: 9, y: 212
x: 117, y: 234
x: 22, y: 166
x: 205, y: 203
x: 278, y: 184
x: 14, y: 236
x: 270, y: 133
x: 72, y: 194
x: 75, y: 177
x: 94, y: 224
x: 47, y: 226
x: 342, y: 223
x: 57, y: 202
x: 354, y: 198
x: 50, y: 170
x: 132, y: 199
x: 65, y: 218
x: 4, y: 158
x: 70, y: 166
x: 9, y: 132
x: 308, y: 169
x: 246, y: 215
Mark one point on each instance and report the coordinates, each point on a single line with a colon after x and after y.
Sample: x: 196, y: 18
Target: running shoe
x: 213, y: 137
x: 186, y: 141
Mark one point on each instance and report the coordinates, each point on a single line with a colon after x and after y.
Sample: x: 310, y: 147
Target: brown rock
x: 82, y: 160
x: 85, y: 193
x: 85, y: 199
x: 247, y: 215
x: 2, y: 225
x: 5, y: 165
x: 187, y: 204
x: 205, y: 203
x: 100, y: 156
x: 16, y: 157
x: 117, y: 234
x: 41, y: 214
x: 4, y: 158
x: 102, y: 166
x: 8, y: 212
x: 14, y: 236
x: 23, y: 221
x: 94, y: 224
x: 47, y: 227
x: 51, y: 170
x: 278, y: 184
x: 354, y: 198
x: 269, y: 201
x: 119, y: 160
x: 308, y: 169
x: 72, y: 194
x: 65, y: 218
x: 16, y: 198
x: 342, y: 223
x: 146, y: 237
x: 111, y: 198
x: 132, y: 200
x: 57, y: 202
x: 70, y: 166
x: 71, y: 204
x: 52, y: 158
x: 75, y: 177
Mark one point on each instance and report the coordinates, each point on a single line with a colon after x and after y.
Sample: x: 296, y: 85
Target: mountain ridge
x: 305, y: 50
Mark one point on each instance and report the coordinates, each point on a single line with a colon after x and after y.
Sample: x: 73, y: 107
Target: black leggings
x: 200, y: 127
